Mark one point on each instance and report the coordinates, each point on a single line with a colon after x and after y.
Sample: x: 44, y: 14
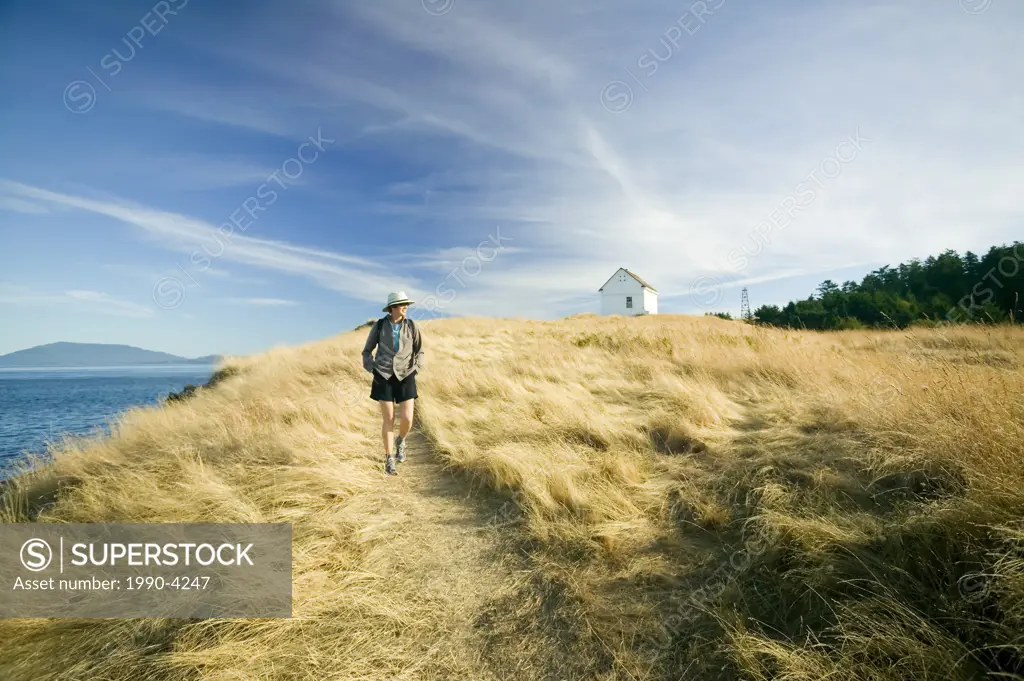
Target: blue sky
x: 221, y: 177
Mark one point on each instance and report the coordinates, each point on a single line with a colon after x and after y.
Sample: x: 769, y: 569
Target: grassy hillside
x: 658, y: 497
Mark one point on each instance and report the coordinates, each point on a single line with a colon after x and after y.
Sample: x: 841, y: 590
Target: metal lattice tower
x: 744, y: 304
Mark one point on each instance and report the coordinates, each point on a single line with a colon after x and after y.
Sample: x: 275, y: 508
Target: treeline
x: 948, y: 288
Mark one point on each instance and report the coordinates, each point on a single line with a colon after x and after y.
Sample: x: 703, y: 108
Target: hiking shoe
x: 389, y: 466
x: 400, y: 449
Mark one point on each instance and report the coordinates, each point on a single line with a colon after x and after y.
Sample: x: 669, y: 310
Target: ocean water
x: 41, y: 405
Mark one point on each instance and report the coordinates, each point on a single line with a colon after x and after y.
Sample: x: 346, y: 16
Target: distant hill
x: 93, y: 355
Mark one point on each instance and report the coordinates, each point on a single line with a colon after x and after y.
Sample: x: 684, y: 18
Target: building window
x: 629, y: 301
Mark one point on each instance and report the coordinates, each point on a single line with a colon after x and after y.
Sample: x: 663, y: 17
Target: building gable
x: 643, y: 284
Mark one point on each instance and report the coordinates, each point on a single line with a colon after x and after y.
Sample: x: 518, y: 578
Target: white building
x: 625, y: 293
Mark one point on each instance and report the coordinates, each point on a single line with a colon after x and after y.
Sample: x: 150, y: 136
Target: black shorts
x: 393, y: 390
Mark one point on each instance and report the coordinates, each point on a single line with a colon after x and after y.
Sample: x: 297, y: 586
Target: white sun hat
x: 397, y: 298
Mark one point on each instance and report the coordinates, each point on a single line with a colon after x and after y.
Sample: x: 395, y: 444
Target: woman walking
x: 399, y: 356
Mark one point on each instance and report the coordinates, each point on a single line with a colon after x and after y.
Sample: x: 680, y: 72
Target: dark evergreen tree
x: 943, y: 288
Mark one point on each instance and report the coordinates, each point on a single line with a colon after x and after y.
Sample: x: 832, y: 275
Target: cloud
x: 199, y: 172
x: 230, y: 276
x: 17, y: 205
x: 147, y: 274
x: 499, y: 109
x: 355, y: 276
x: 723, y: 126
x: 443, y: 260
x: 242, y: 109
x: 85, y: 300
x: 120, y: 269
x: 262, y: 302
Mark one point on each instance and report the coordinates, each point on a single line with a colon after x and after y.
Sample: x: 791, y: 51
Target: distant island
x: 93, y: 355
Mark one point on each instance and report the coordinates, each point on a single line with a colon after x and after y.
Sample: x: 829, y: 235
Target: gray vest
x: 386, y: 361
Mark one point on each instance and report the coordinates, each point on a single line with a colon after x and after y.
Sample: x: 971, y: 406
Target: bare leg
x: 387, y: 431
x: 405, y: 417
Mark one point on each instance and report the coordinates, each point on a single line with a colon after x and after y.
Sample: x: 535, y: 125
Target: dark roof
x: 632, y: 274
x: 642, y: 282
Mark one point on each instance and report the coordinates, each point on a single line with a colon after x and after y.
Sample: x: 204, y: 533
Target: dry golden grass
x: 592, y: 498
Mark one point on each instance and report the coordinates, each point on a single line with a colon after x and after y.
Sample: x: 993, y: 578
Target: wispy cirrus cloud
x: 243, y: 109
x: 198, y: 172
x: 490, y: 116
x: 16, y: 205
x: 355, y: 276
x: 87, y: 300
x: 150, y: 277
x: 734, y: 117
x: 262, y: 302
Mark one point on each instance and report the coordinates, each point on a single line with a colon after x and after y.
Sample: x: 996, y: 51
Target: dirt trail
x: 443, y: 545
